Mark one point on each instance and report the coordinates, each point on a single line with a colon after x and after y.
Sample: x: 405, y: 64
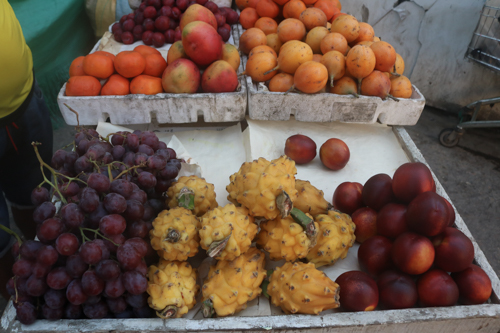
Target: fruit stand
x: 211, y: 135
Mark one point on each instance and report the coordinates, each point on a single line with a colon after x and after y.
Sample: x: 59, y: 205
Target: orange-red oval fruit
x: 300, y: 148
x: 219, y: 77
x: 201, y: 43
x: 334, y: 154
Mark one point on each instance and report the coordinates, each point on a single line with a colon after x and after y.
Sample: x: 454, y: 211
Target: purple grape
x: 89, y: 200
x: 47, y: 255
x: 83, y: 164
x: 149, y: 213
x: 162, y: 185
x: 118, y: 139
x: 69, y: 189
x: 44, y: 211
x: 67, y: 244
x: 163, y: 152
x: 40, y: 270
x: 36, y: 287
x: 134, y: 211
x: 96, y: 216
x: 95, y: 311
x: 108, y: 270
x: 146, y: 180
x: 122, y: 187
x: 172, y: 153
x: 75, y: 293
x: 134, y: 282
x: 114, y: 288
x: 90, y: 252
x: 139, y: 245
x: 149, y: 138
x: 26, y: 313
x: 95, y: 152
x: 50, y: 229
x: 55, y: 299
x: 140, y: 158
x: 137, y: 301
x: 72, y: 311
x: 99, y: 182
x: 137, y: 229
x: 113, y: 224
x: 29, y: 249
x: 92, y: 285
x: 118, y: 153
x: 132, y: 141
x: 93, y: 299
x: 139, y: 195
x: 23, y: 267
x: 169, y: 172
x: 79, y: 136
x: 128, y: 256
x: 142, y: 268
x: 129, y: 158
x: 58, y: 278
x: 72, y: 216
x: 39, y: 195
x: 145, y: 149
x: 115, y: 203
x: 52, y: 314
x: 70, y: 159
x: 104, y: 248
x: 75, y: 266
x: 117, y: 239
x: 58, y: 159
x: 116, y: 305
x: 157, y: 162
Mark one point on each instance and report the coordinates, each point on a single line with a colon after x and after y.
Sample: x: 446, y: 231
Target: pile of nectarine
x: 317, y: 48
x: 409, y: 245
x: 334, y: 153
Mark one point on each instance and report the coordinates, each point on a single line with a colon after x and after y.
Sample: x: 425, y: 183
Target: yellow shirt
x: 16, y: 62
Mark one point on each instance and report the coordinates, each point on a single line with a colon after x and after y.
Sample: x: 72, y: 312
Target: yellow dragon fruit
x: 172, y: 288
x: 310, y: 199
x: 204, y: 194
x: 230, y: 285
x: 301, y: 288
x: 258, y: 184
x: 227, y: 232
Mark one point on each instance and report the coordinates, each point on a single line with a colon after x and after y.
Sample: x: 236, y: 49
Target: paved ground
x: 469, y: 172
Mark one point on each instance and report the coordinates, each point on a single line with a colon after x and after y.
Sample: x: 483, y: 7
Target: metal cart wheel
x: 449, y: 137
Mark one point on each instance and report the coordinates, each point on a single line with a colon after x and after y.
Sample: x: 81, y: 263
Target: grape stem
x: 129, y: 169
x: 43, y: 164
x: 97, y: 233
x: 7, y: 230
x: 84, y: 238
x: 15, y: 288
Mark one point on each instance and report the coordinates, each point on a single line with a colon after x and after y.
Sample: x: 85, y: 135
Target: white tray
x: 162, y: 108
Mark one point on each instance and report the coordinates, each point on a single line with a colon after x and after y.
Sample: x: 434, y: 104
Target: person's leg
x: 19, y: 166
x: 6, y: 259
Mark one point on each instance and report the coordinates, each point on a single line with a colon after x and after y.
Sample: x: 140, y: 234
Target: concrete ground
x: 469, y: 172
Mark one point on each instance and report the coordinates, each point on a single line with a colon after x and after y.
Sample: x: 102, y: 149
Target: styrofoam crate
x: 162, y: 108
x: 483, y: 318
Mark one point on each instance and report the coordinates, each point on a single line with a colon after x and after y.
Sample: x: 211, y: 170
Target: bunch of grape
x: 93, y: 229
x: 156, y: 22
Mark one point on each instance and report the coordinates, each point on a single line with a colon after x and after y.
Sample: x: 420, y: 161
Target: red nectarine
x: 437, y: 288
x: 358, y: 291
x: 365, y: 220
x: 374, y: 255
x: 411, y: 179
x: 412, y: 253
x: 397, y: 290
x: 474, y: 285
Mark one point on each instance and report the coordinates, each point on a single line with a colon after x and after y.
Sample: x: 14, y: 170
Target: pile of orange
x: 129, y: 72
x: 311, y: 46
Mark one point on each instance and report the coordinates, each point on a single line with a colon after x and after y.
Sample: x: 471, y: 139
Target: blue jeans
x: 19, y: 167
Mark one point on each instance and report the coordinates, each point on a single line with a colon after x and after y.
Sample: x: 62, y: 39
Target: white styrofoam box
x: 161, y: 108
x: 327, y: 107
x: 454, y: 319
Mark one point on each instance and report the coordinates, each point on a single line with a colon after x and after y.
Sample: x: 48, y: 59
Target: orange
x: 241, y: 4
x: 107, y: 54
x: 248, y: 17
x: 98, y: 66
x: 85, y: 85
x: 266, y: 24
x: 267, y: 8
x: 292, y: 9
x: 130, y: 63
x: 146, y: 84
x: 146, y: 50
x: 155, y: 65
x: 327, y: 7
x: 76, y: 67
x: 116, y: 85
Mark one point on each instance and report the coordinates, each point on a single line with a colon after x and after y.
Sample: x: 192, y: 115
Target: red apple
x: 454, y: 250
x: 412, y: 253
x: 300, y: 148
x: 377, y: 191
x: 334, y: 154
x: 374, y: 255
x: 474, y: 285
x: 365, y: 220
x: 437, y: 288
x: 427, y: 214
x: 358, y: 291
x: 347, y: 197
x: 411, y: 179
x: 397, y: 290
x: 391, y: 221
